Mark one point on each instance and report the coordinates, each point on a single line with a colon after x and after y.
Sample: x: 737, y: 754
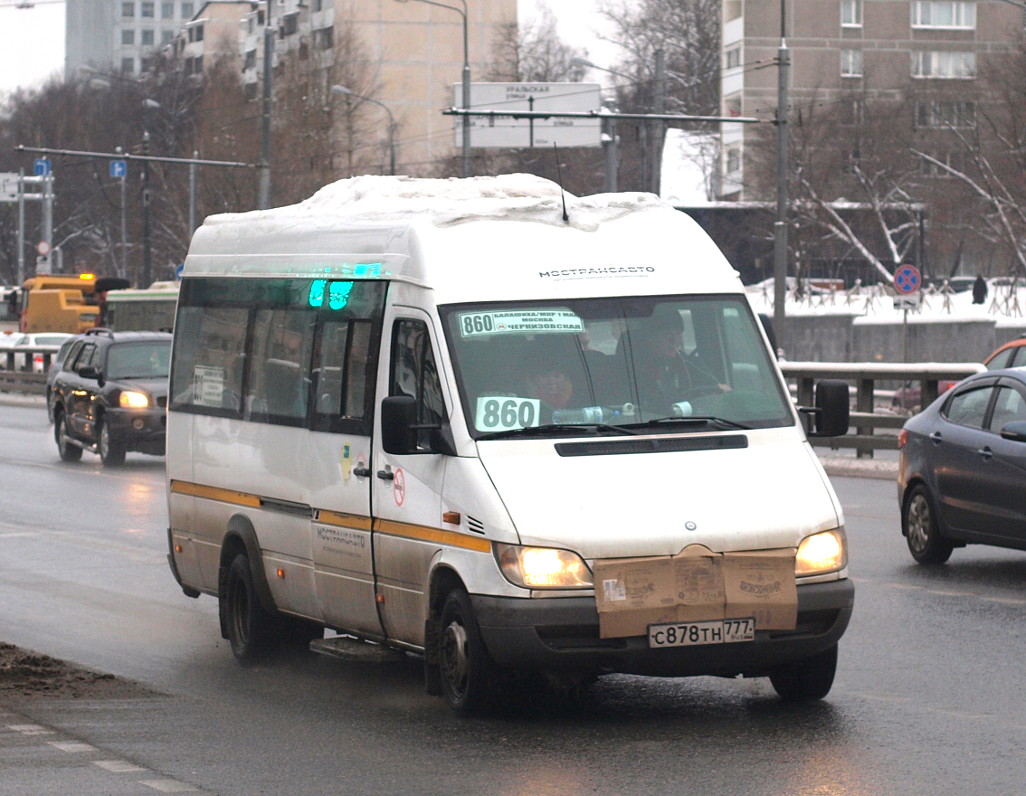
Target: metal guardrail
x: 16, y: 373
x: 866, y: 417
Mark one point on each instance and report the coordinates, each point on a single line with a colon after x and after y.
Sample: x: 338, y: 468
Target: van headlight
x: 542, y: 567
x: 821, y: 553
x: 131, y: 399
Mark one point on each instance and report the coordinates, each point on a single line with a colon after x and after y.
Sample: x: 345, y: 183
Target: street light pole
x: 147, y: 246
x: 466, y: 74
x: 264, y: 197
x: 336, y: 89
x: 780, y: 227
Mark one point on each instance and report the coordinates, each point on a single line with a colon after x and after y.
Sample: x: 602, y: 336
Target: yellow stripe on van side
x: 215, y: 493
x: 341, y: 520
x: 337, y: 518
x: 423, y: 533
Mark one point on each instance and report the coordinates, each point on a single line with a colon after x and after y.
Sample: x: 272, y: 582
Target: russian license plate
x: 692, y: 634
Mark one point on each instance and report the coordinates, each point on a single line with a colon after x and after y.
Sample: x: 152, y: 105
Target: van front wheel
x: 466, y: 670
x: 806, y: 680
x: 249, y: 625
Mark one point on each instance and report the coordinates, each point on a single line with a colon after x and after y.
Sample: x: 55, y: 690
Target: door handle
x: 362, y: 472
x: 936, y: 438
x: 986, y: 453
x: 386, y: 474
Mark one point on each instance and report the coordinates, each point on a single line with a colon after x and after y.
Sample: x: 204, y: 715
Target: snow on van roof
x: 445, y: 202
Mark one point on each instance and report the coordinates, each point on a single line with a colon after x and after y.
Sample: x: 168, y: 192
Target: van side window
x: 415, y: 373
x: 211, y: 359
x: 342, y: 376
x: 277, y: 385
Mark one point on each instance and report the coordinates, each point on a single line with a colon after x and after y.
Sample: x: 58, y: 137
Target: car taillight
x: 902, y: 438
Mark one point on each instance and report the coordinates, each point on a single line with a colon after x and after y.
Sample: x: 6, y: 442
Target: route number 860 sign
x: 504, y: 413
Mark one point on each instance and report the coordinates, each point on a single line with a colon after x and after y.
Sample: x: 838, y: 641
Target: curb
x: 860, y: 468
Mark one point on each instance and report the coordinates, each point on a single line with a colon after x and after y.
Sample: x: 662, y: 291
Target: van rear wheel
x: 249, y: 625
x: 466, y: 669
x: 806, y: 680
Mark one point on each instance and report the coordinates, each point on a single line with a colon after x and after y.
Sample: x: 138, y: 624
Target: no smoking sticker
x: 399, y: 487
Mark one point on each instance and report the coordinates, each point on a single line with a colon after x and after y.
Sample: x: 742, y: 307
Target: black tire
x: 250, y: 627
x: 112, y: 453
x: 68, y: 452
x: 467, y: 672
x: 922, y: 533
x: 806, y: 680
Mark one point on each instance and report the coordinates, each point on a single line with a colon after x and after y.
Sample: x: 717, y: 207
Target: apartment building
x: 122, y: 37
x: 413, y: 50
x: 850, y: 52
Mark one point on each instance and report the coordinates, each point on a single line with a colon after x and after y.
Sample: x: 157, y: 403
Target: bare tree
x: 989, y: 159
x: 682, y: 35
x: 536, y: 53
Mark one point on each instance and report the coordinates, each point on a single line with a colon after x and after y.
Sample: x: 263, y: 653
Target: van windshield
x: 641, y: 364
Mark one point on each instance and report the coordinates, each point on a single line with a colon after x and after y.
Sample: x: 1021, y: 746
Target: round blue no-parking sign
x: 907, y: 279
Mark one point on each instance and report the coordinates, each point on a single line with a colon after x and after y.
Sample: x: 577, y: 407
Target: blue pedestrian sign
x: 119, y: 169
x: 41, y: 167
x: 907, y: 279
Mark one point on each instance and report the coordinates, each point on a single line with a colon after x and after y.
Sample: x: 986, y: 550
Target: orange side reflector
x: 380, y: 598
x: 452, y: 517
x: 178, y: 548
x: 281, y: 573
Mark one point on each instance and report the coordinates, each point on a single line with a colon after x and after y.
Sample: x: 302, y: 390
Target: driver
x: 663, y: 371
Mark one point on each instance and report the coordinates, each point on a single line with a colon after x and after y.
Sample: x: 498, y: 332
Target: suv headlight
x: 821, y: 553
x: 542, y: 567
x: 131, y: 399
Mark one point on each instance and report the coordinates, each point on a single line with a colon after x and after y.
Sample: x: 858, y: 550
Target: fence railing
x: 866, y: 416
x: 19, y: 371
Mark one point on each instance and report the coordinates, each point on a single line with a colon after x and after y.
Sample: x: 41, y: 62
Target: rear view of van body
x: 510, y: 431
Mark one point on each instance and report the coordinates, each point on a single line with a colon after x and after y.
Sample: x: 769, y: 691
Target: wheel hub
x: 454, y: 656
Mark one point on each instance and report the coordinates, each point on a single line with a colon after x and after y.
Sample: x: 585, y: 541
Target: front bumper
x: 563, y: 634
x: 142, y: 430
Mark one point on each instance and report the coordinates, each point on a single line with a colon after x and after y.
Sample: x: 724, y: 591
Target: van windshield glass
x: 663, y: 364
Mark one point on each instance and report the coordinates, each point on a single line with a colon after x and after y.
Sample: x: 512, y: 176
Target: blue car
x: 962, y: 470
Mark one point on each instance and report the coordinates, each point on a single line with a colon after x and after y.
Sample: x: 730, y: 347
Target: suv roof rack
x: 97, y: 330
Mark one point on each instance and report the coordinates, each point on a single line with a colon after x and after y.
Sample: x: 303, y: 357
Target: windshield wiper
x: 692, y: 420
x: 557, y: 430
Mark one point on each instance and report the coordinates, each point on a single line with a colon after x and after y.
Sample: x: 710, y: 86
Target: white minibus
x: 524, y: 435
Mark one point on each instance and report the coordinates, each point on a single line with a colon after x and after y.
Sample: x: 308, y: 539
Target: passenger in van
x: 549, y: 383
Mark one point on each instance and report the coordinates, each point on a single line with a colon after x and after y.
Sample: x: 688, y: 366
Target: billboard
x: 505, y: 131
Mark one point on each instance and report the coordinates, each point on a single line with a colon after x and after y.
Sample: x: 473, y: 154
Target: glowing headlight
x: 543, y: 567
x: 130, y: 399
x: 821, y: 552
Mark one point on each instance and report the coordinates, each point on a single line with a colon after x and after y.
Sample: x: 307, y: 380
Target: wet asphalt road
x: 928, y: 698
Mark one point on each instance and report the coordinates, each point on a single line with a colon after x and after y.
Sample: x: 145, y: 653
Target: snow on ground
x: 1003, y: 305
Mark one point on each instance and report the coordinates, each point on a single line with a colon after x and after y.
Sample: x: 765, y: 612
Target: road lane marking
x: 118, y: 766
x: 73, y: 746
x: 169, y: 786
x: 29, y: 729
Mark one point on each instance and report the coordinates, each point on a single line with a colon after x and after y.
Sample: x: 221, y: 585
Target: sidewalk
x: 845, y: 463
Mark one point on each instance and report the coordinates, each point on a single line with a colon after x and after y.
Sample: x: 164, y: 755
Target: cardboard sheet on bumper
x: 696, y: 585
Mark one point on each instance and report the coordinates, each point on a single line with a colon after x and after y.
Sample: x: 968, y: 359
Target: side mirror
x: 89, y: 373
x: 400, y: 429
x: 1015, y: 431
x: 832, y: 408
x: 398, y: 417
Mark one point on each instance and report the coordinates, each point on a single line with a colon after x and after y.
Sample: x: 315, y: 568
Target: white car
x: 32, y: 345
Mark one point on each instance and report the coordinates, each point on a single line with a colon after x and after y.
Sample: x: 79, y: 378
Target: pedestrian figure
x: 979, y: 289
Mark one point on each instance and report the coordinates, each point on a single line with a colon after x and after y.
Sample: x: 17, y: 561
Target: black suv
x: 109, y: 395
